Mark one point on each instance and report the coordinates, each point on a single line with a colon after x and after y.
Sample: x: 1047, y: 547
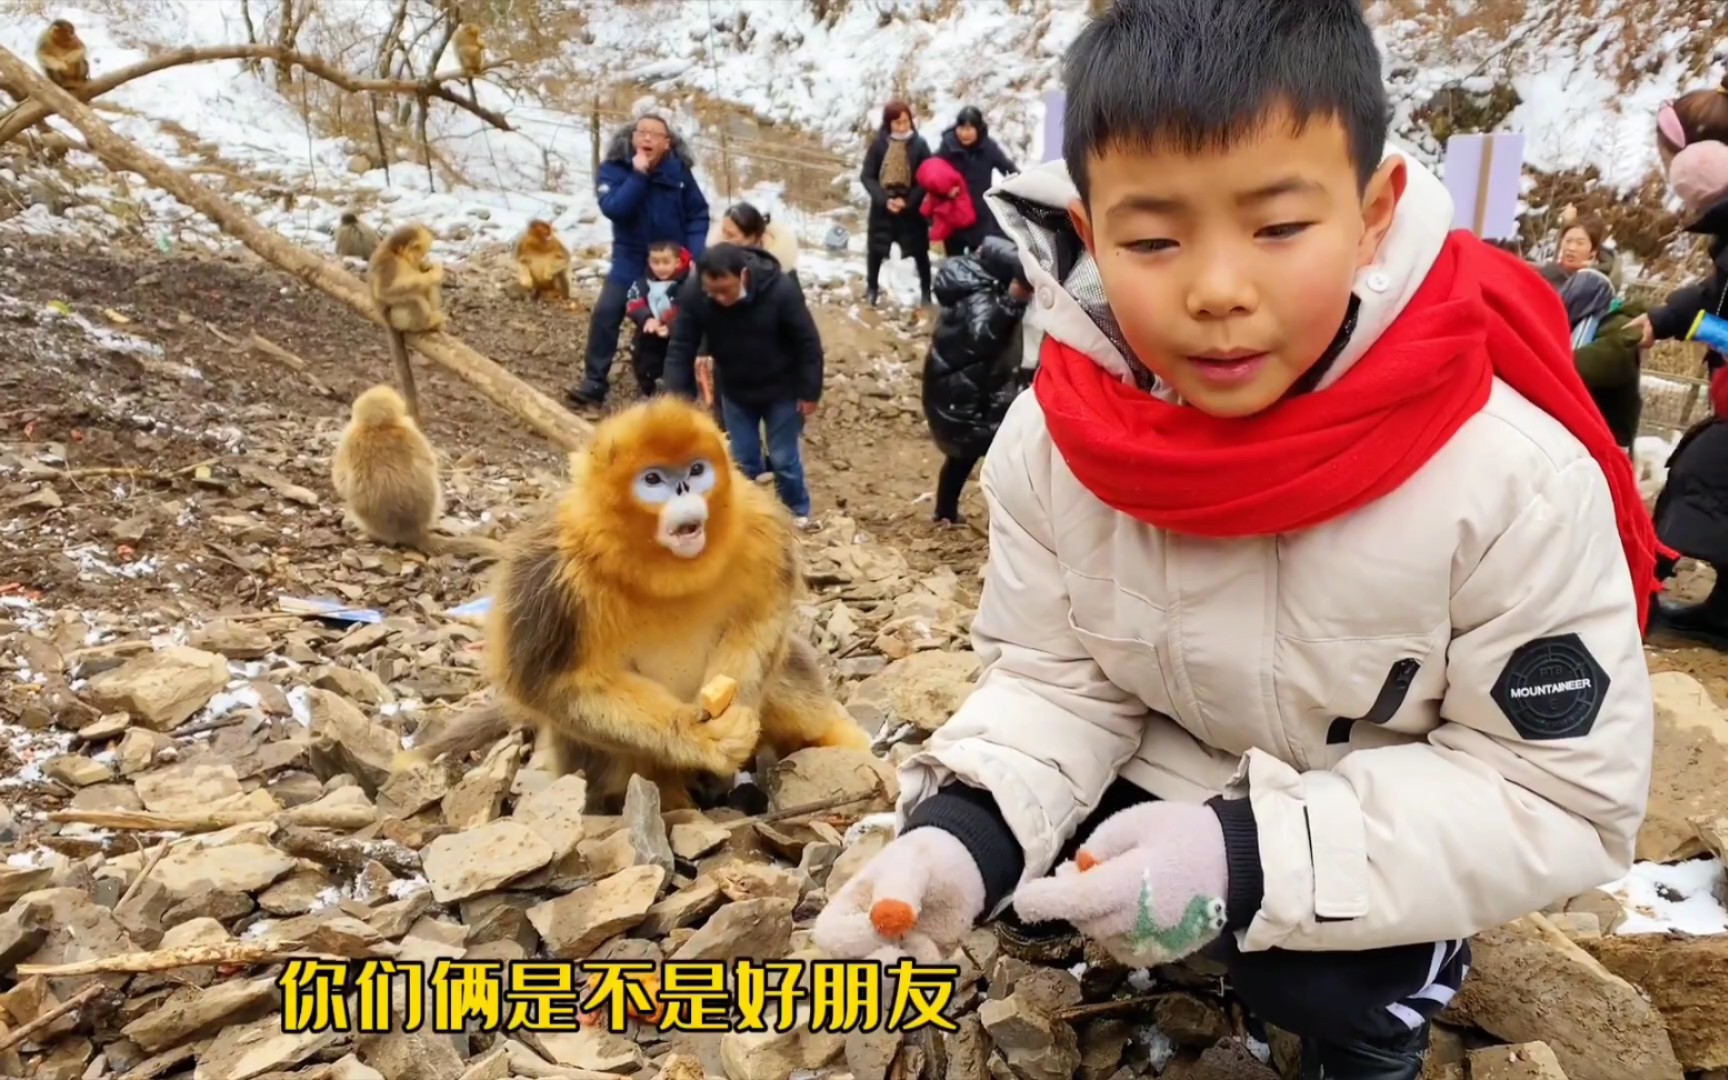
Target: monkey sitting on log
x: 387, y: 476
x: 542, y: 262
x: 406, y: 282
x: 61, y: 54
x: 647, y: 624
x: 471, y: 51
x: 354, y: 238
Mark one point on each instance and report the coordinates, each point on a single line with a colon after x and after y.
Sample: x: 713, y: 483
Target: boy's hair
x: 658, y: 246
x: 1204, y: 73
x: 723, y: 260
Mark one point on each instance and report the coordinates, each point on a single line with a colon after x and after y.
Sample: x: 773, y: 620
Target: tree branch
x: 33, y: 109
x: 505, y: 389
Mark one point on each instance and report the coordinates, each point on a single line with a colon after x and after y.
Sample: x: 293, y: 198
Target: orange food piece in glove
x: 893, y: 919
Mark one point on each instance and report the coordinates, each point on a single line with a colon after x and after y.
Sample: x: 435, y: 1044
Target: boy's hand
x: 918, y: 897
x: 652, y: 326
x: 1646, y: 331
x: 807, y: 409
x: 1149, y: 885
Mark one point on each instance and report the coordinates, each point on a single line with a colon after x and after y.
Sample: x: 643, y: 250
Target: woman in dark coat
x: 976, y: 364
x: 890, y: 176
x: 1692, y: 512
x: 969, y: 148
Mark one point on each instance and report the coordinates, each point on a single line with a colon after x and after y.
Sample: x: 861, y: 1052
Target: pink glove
x: 1149, y: 885
x: 918, y: 897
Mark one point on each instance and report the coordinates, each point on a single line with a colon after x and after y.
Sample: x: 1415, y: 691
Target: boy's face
x: 1230, y: 271
x: 662, y: 264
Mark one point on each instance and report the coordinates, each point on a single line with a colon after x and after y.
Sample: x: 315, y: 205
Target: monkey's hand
x: 729, y: 740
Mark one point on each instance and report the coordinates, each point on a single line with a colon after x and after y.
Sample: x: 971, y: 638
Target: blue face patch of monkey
x: 681, y: 493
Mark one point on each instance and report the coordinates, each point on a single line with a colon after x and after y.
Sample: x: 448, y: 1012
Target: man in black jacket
x: 767, y: 360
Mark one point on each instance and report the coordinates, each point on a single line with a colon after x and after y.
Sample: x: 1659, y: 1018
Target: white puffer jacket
x: 1359, y: 682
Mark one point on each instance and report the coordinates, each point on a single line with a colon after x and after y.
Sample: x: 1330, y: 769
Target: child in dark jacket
x: 652, y: 305
x: 975, y: 366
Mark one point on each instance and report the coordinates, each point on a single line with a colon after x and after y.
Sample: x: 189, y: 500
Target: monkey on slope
x: 354, y: 238
x: 658, y: 571
x: 542, y: 261
x: 61, y: 54
x: 387, y: 476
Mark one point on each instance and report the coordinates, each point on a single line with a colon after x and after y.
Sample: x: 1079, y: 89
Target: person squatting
x: 1311, y: 627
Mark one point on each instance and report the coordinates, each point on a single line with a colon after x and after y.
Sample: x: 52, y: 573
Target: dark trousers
x: 603, y: 330
x: 949, y: 483
x: 1376, y: 995
x: 648, y: 361
x: 873, y: 271
x: 784, y: 424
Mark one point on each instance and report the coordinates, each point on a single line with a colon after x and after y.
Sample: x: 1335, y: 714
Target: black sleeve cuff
x: 970, y: 814
x: 1247, y: 882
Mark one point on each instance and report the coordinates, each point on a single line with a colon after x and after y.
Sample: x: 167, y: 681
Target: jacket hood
x: 938, y: 176
x: 764, y: 271
x: 619, y: 148
x: 1068, y: 294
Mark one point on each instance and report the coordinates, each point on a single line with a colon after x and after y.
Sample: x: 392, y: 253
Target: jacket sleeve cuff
x: 1247, y: 881
x: 971, y: 815
x: 1671, y: 323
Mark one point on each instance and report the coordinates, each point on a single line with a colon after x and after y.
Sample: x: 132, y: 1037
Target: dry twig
x: 83, y: 997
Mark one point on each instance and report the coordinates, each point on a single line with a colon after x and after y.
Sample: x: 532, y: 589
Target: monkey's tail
x: 404, y: 372
x: 468, y: 732
x: 473, y: 547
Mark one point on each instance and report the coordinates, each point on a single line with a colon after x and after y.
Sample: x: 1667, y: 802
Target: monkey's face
x: 64, y: 34
x: 540, y: 230
x: 678, y: 496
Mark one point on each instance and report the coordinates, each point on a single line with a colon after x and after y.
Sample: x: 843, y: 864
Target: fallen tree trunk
x: 36, y: 107
x: 539, y: 411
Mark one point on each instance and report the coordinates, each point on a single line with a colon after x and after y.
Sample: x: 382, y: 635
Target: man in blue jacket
x: 647, y: 188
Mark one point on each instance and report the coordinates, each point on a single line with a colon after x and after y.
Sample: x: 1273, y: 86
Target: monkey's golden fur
x: 542, y: 261
x: 471, y: 49
x: 387, y: 475
x: 405, y: 281
x: 602, y: 640
x: 355, y: 239
x: 62, y: 56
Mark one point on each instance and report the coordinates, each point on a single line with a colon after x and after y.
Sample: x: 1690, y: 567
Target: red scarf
x: 1480, y: 313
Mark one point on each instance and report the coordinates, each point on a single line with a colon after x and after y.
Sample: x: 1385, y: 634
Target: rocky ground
x: 198, y: 765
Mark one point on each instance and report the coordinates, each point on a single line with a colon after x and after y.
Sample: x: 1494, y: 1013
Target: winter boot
x: 1706, y: 622
x: 1365, y: 1061
x: 872, y: 295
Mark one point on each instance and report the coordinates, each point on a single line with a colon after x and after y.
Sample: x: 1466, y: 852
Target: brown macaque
x: 61, y: 54
x: 405, y: 281
x: 471, y: 50
x: 647, y: 624
x: 542, y: 262
x: 354, y: 238
x: 387, y: 476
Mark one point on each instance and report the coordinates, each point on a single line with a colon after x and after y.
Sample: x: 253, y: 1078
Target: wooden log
x: 138, y: 963
x: 81, y: 998
x: 349, y: 856
x: 540, y: 412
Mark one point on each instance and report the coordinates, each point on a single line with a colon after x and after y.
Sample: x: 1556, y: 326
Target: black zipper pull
x: 1386, y: 704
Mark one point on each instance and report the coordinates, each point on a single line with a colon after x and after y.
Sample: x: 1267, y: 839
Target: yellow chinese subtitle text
x: 563, y: 995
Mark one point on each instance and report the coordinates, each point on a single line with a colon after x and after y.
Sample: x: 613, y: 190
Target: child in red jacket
x: 947, y: 203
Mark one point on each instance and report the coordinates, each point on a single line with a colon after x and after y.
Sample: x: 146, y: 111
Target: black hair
x: 750, y: 221
x: 723, y: 260
x: 665, y: 245
x: 1204, y: 73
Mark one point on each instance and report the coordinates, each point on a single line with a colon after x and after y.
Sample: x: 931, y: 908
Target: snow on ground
x: 1686, y: 897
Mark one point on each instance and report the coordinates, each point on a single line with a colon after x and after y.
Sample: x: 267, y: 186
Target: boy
x: 653, y: 305
x: 1311, y: 626
x: 767, y: 361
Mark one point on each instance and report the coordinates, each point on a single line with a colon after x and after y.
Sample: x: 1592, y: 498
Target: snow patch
x: 1685, y: 897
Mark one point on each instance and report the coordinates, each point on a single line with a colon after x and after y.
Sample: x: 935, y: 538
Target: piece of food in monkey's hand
x: 1085, y: 861
x: 893, y: 919
x: 716, y: 697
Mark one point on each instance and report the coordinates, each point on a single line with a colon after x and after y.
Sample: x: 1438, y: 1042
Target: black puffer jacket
x: 885, y: 229
x: 973, y: 369
x: 1673, y: 320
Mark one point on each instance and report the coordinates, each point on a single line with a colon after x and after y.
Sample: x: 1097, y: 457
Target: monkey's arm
x: 408, y: 285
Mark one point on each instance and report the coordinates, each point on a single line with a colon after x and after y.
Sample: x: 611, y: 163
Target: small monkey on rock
x: 354, y: 238
x: 61, y: 54
x: 542, y: 261
x: 647, y: 625
x: 387, y: 476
